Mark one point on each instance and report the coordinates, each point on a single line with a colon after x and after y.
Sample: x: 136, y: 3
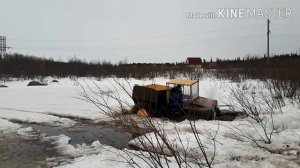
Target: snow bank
x: 8, y: 127
x: 231, y: 149
x: 62, y: 98
x: 40, y: 118
x: 36, y: 104
x: 102, y: 160
x: 56, y: 98
x: 62, y: 145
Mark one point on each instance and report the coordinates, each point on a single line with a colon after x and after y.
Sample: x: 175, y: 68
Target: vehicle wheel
x: 213, y: 114
x: 134, y: 109
x: 218, y: 111
x: 137, y: 105
x: 178, y: 113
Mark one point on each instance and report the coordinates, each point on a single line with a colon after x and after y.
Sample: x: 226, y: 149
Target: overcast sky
x: 145, y: 31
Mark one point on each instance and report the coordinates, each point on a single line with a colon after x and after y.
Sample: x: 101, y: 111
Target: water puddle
x: 20, y: 151
x: 228, y: 115
x: 87, y: 133
x: 16, y: 151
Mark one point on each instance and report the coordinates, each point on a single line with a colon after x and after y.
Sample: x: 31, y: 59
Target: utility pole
x: 268, y: 42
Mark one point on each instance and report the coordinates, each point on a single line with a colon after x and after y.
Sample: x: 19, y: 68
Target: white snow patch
x: 35, y: 118
x: 25, y: 131
x: 8, y: 127
x: 64, y: 147
x: 33, y: 104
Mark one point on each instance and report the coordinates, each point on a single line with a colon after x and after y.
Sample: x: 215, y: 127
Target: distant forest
x: 17, y: 65
x: 280, y: 67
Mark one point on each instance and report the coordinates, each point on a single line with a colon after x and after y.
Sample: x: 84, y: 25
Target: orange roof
x: 182, y: 82
x: 157, y: 87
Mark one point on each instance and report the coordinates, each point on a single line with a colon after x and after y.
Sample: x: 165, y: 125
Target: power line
x: 138, y: 38
x: 207, y: 41
x: 286, y: 37
x: 286, y: 24
x: 296, y: 36
x: 2, y: 46
x: 287, y: 34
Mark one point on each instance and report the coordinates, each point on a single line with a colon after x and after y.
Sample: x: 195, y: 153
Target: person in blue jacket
x: 176, y: 99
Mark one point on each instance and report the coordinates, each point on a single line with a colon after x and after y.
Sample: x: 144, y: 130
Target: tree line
x: 18, y: 65
x: 282, y: 67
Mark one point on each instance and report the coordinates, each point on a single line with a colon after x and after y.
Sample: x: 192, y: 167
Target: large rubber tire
x: 219, y: 113
x: 135, y: 109
x: 213, y: 114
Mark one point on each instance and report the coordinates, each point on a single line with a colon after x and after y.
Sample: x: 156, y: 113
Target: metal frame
x: 185, y: 83
x: 2, y: 46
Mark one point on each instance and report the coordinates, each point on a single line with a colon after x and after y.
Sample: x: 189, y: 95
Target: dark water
x: 84, y: 133
x: 227, y: 115
x: 17, y: 151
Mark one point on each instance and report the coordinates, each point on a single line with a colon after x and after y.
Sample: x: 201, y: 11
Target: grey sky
x: 143, y: 31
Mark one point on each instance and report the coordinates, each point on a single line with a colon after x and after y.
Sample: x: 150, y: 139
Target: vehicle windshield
x: 190, y: 92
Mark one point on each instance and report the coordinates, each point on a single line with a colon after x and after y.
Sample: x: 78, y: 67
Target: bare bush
x: 259, y: 103
x: 284, y: 89
x: 193, y: 74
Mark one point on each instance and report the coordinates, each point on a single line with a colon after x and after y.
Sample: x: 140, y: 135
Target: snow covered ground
x: 56, y: 104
